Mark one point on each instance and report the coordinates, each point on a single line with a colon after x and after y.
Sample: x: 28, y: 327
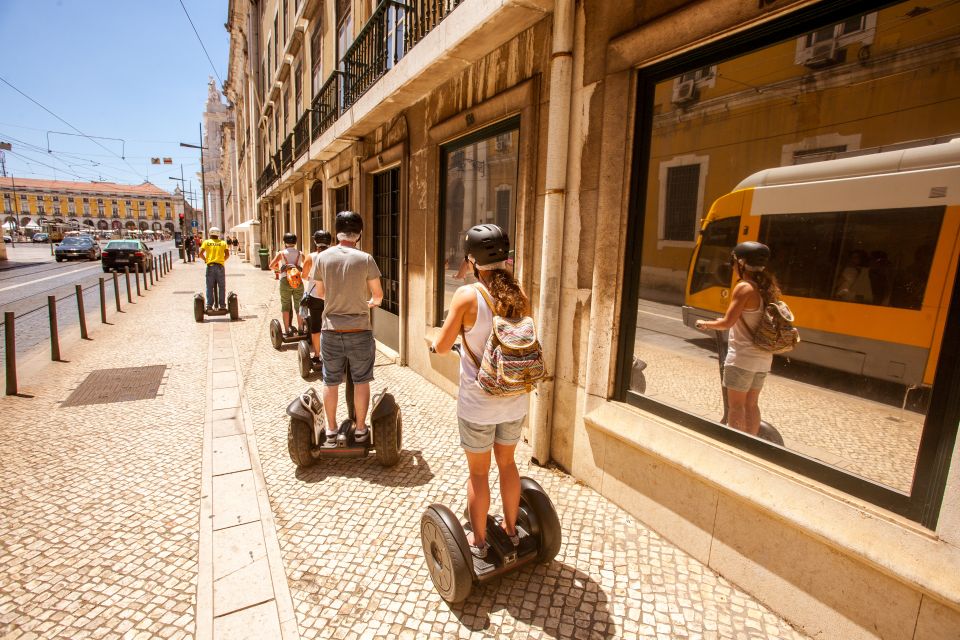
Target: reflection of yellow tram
x: 865, y: 249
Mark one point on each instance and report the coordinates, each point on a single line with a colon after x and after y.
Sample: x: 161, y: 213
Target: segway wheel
x: 276, y: 334
x: 303, y: 359
x: 446, y: 553
x: 233, y: 306
x: 547, y: 523
x: 769, y: 433
x: 198, y: 308
x: 299, y: 435
x: 387, y: 438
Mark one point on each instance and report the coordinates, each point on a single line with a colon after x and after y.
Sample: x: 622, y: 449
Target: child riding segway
x: 287, y: 266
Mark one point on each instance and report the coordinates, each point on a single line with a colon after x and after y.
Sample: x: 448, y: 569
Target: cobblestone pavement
x: 349, y: 532
x: 99, y: 505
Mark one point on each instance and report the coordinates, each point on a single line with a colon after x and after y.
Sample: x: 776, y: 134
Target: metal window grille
x: 680, y: 214
x: 341, y: 198
x: 386, y: 239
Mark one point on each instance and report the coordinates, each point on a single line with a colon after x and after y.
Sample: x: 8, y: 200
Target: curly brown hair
x: 509, y: 299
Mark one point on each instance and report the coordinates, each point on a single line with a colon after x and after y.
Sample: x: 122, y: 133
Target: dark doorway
x: 386, y: 251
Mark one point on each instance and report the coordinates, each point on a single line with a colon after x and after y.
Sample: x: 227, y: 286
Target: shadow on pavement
x: 567, y: 603
x: 411, y: 471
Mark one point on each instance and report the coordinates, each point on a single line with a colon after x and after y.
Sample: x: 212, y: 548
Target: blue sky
x: 130, y: 69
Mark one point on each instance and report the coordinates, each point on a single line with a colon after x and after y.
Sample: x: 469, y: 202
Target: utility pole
x: 203, y: 182
x: 6, y: 146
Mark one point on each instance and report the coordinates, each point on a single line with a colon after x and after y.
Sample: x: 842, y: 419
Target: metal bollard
x: 10, y: 342
x: 116, y: 290
x: 83, y: 316
x: 145, y: 280
x: 103, y: 303
x: 136, y: 278
x: 126, y: 275
x: 153, y: 267
x: 54, y: 334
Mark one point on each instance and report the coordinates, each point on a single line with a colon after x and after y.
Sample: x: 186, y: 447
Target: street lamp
x: 203, y: 181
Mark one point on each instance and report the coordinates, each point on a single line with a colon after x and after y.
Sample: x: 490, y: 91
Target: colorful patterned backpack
x: 776, y: 332
x: 512, y: 361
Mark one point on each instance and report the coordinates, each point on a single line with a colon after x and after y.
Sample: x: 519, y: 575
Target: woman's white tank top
x: 291, y: 255
x: 473, y: 403
x: 741, y: 352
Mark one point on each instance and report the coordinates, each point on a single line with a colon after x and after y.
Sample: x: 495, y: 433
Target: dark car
x: 127, y: 253
x: 77, y: 247
x: 7, y: 238
x: 41, y: 237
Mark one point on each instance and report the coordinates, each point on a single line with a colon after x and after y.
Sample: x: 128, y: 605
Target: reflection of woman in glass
x: 746, y: 366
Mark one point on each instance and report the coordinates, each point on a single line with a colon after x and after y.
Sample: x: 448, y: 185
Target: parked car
x: 77, y: 247
x: 126, y: 253
x: 7, y: 238
x: 41, y: 237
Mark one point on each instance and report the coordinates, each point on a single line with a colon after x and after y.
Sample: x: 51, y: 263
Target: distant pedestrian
x: 190, y: 246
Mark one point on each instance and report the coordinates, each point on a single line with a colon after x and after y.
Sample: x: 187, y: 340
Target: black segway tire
x: 303, y: 359
x: 198, y: 308
x: 769, y: 433
x: 299, y: 435
x: 233, y: 305
x: 536, y: 500
x: 387, y: 432
x: 276, y: 334
x: 446, y: 553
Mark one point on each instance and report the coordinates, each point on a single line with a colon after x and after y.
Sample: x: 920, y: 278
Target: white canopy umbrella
x: 9, y: 225
x: 31, y: 225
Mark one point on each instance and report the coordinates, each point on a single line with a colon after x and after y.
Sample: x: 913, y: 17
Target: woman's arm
x: 462, y: 300
x: 741, y: 294
x: 273, y: 263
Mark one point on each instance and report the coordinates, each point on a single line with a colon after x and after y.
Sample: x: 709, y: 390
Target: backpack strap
x: 463, y: 334
x: 486, y: 298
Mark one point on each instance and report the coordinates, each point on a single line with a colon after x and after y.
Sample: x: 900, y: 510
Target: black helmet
x: 487, y: 243
x: 753, y: 254
x: 349, y: 222
x: 321, y: 238
x: 289, y: 238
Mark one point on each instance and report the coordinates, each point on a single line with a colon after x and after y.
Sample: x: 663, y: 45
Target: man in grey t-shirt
x: 348, y: 280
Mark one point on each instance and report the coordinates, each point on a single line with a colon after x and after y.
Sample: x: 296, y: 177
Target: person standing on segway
x: 321, y: 241
x: 486, y: 421
x: 214, y: 252
x: 348, y: 281
x: 746, y: 365
x: 189, y: 246
x: 289, y: 262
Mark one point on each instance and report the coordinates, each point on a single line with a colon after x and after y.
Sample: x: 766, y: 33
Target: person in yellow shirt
x: 214, y: 252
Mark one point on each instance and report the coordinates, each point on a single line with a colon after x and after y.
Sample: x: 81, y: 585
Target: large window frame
x: 498, y: 128
x: 939, y: 435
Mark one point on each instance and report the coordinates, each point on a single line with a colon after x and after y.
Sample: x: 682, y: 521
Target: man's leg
x: 210, y: 281
x: 222, y: 286
x: 330, y: 406
x: 334, y: 362
x: 361, y: 402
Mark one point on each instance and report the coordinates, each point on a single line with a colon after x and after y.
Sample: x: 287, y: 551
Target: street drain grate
x: 107, y: 386
x: 249, y: 317
x: 179, y: 292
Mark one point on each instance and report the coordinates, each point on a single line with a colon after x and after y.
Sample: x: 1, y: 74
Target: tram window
x: 879, y: 258
x: 712, y: 267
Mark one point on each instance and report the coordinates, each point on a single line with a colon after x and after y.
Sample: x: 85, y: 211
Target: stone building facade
x: 217, y: 121
x: 598, y: 134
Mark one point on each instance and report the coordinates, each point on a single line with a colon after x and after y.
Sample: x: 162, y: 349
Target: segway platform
x: 454, y: 570
x: 306, y: 433
x: 233, y: 308
x: 278, y: 338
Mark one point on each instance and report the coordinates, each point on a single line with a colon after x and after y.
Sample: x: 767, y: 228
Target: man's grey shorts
x: 337, y: 349
x: 479, y: 438
x: 742, y: 380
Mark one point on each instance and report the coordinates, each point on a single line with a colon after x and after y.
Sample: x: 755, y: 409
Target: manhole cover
x: 118, y: 385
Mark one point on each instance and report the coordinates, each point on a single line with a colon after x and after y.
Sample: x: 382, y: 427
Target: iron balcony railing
x: 325, y: 108
x: 286, y: 152
x: 394, y: 28
x: 301, y: 135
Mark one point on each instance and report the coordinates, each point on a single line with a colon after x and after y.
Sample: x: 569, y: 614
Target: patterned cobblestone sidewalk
x: 98, y: 507
x: 349, y: 533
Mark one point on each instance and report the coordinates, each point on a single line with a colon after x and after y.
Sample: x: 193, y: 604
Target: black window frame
x: 386, y: 234
x: 492, y: 131
x: 938, y: 438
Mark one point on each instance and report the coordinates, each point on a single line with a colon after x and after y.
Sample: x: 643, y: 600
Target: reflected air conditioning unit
x: 824, y: 54
x: 684, y: 92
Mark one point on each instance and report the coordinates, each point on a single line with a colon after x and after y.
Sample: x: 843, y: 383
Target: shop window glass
x: 479, y: 184
x: 869, y: 274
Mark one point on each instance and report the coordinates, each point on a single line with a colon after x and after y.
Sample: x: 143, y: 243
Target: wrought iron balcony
x: 286, y: 152
x: 301, y: 135
x: 326, y: 108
